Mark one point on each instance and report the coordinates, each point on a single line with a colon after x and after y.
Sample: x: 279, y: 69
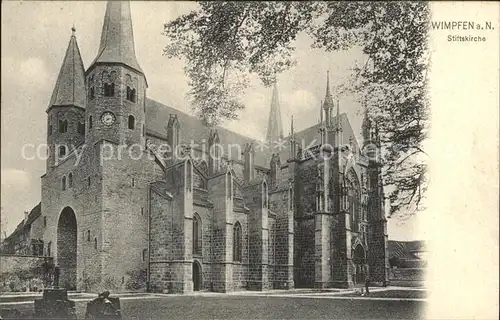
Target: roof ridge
x: 197, y: 119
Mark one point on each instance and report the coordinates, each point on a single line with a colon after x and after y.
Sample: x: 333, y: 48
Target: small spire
x: 321, y: 113
x: 70, y: 84
x: 327, y: 82
x: 328, y: 103
x: 73, y: 30
x: 291, y: 128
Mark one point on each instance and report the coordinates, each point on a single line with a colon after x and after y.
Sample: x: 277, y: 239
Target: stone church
x: 216, y: 211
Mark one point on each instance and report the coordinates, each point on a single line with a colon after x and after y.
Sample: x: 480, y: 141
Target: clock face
x: 108, y: 118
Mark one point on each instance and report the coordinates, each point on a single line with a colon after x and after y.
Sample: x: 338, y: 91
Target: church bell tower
x: 66, y: 111
x: 116, y: 84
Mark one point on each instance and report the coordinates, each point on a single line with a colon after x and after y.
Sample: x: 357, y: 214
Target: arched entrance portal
x: 66, y: 248
x: 196, y: 276
x: 359, y: 260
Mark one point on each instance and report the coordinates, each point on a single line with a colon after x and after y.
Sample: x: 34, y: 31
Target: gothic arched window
x: 91, y: 87
x: 108, y: 81
x: 131, y: 122
x: 81, y: 127
x: 64, y: 183
x: 131, y: 95
x: 49, y: 130
x: 353, y: 200
x: 62, y: 151
x: 63, y: 126
x: 265, y: 197
x: 131, y: 88
x: 197, y: 233
x: 237, y: 242
x: 90, y: 122
x: 70, y: 180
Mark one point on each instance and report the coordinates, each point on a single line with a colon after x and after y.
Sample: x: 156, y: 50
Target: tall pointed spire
x: 69, y: 89
x: 274, y: 126
x: 292, y: 131
x: 117, y: 38
x: 328, y: 103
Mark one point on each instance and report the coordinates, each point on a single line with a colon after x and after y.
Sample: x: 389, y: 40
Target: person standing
x: 367, y: 282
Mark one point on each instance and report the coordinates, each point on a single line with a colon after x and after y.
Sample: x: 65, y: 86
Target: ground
x: 324, y: 305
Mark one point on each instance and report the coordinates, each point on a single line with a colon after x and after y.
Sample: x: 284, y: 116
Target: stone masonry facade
x: 125, y: 214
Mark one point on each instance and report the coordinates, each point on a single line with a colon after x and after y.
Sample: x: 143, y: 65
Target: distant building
x: 407, y: 254
x: 27, y: 237
x: 203, y: 218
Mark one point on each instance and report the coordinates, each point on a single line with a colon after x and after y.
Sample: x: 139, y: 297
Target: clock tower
x: 116, y: 84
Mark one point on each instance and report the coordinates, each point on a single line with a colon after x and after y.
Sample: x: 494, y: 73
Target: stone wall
x: 222, y: 254
x: 407, y: 277
x: 124, y: 241
x: 22, y: 273
x: 83, y: 196
x: 240, y: 269
x: 171, y: 234
x: 304, y: 227
x: 258, y: 220
x: 282, y: 241
x: 304, y: 253
x: 377, y: 257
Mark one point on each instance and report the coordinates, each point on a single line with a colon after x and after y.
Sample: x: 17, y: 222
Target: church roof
x: 192, y: 129
x: 70, y: 84
x: 32, y: 216
x: 117, y: 38
x: 405, y: 249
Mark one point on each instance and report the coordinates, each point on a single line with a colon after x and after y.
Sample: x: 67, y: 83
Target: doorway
x: 197, y: 278
x: 359, y: 260
x: 67, y: 248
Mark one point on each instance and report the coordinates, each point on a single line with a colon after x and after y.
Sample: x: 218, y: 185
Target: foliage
x: 110, y: 283
x: 223, y: 42
x: 137, y: 279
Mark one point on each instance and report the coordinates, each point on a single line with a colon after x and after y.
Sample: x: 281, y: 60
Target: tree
x: 3, y: 224
x: 223, y: 42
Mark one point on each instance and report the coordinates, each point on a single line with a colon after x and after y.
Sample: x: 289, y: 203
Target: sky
x: 35, y: 36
